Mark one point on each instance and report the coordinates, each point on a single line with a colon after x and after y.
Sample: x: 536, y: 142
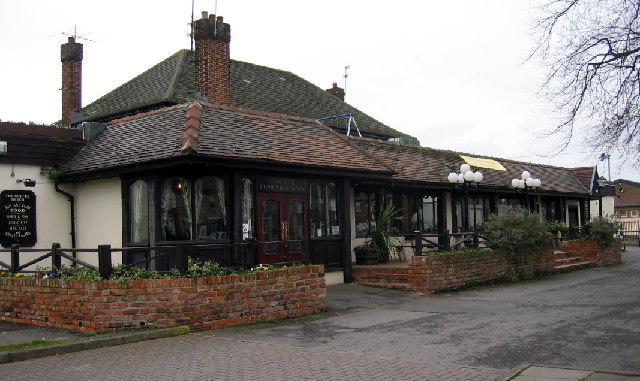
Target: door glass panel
x: 271, y: 225
x: 296, y: 224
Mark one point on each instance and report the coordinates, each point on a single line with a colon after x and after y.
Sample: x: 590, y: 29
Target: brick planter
x: 204, y: 303
x: 442, y: 272
x: 591, y: 251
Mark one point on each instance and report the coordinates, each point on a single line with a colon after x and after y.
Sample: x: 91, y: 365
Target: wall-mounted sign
x: 272, y: 184
x: 18, y: 218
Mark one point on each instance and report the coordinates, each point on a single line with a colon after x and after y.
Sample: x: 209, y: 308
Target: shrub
x: 557, y: 226
x: 603, y: 230
x: 123, y: 273
x: 518, y: 232
x: 199, y: 269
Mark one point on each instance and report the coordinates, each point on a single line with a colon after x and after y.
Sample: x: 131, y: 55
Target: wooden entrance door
x: 281, y: 227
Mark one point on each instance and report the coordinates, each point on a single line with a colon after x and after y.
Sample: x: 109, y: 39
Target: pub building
x: 253, y: 165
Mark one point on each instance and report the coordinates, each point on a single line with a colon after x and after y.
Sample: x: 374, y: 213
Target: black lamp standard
x: 463, y: 180
x: 526, y: 184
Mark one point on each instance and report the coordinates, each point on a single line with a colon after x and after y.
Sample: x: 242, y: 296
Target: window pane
x: 317, y: 211
x: 211, y: 215
x: 247, y: 209
x: 409, y: 220
x: 429, y: 214
x: 139, y: 212
x: 175, y: 209
x: 333, y: 224
x: 365, y: 205
x: 459, y: 207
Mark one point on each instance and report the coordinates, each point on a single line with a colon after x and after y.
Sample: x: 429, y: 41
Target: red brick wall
x: 435, y: 273
x: 591, y: 251
x: 204, y: 303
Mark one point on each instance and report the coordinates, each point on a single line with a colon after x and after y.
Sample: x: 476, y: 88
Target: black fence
x: 447, y: 241
x: 423, y: 242
x: 159, y: 258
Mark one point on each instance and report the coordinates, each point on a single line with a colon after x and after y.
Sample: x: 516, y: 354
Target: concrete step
x: 561, y: 254
x: 574, y: 266
x: 394, y: 286
x: 567, y: 260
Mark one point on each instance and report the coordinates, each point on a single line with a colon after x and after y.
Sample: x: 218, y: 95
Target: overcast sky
x: 452, y: 73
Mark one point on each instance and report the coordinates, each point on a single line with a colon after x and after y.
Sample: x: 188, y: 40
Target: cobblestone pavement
x: 206, y: 357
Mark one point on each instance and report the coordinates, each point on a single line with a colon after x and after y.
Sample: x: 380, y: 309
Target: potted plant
x: 379, y: 243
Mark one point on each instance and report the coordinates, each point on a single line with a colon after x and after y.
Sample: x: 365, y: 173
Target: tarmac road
x: 587, y: 319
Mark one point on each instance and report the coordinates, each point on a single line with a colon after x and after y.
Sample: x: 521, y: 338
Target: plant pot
x: 366, y: 256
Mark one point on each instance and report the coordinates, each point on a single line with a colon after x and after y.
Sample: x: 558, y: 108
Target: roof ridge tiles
x: 176, y: 75
x: 191, y: 130
x: 418, y: 148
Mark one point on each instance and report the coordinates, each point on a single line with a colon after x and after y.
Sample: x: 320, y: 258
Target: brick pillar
x: 213, y: 76
x: 71, y: 57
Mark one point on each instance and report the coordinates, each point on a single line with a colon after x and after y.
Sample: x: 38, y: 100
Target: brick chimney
x: 213, y: 73
x: 71, y: 57
x: 336, y: 91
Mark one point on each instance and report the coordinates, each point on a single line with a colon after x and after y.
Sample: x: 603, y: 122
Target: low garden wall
x: 591, y: 251
x: 202, y: 303
x: 434, y: 273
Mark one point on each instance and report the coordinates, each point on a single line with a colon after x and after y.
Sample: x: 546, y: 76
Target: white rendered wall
x: 98, y: 217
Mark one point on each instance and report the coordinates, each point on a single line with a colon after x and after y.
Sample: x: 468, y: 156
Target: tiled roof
x: 428, y: 165
x: 252, y: 86
x: 586, y: 175
x: 222, y: 132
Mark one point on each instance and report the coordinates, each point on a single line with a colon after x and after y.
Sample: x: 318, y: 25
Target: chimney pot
x: 212, y: 17
x: 205, y: 14
x: 335, y: 84
x: 220, y: 18
x: 71, y: 39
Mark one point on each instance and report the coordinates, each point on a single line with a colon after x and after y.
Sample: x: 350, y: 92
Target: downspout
x: 73, y: 215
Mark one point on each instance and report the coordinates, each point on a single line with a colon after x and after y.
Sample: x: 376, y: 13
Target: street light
x: 463, y: 180
x: 525, y: 184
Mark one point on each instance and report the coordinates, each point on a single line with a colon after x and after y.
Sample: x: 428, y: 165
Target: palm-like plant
x: 382, y: 231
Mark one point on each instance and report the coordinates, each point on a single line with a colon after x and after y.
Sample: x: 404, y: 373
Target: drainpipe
x: 73, y: 215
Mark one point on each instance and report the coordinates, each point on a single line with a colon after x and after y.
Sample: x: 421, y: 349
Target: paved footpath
x: 206, y: 357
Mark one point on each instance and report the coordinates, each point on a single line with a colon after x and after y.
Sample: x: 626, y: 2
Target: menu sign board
x: 18, y: 219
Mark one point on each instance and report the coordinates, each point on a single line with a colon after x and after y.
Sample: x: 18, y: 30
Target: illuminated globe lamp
x: 466, y: 176
x: 526, y: 183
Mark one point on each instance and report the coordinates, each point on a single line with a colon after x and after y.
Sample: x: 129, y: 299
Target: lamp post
x: 463, y: 180
x: 525, y: 184
x: 602, y: 182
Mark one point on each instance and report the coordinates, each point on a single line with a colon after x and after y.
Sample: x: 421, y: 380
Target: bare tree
x: 591, y: 49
